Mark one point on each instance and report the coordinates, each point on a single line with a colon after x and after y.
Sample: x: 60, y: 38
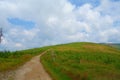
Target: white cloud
x: 18, y: 45
x: 52, y: 21
x: 68, y: 8
x: 58, y: 22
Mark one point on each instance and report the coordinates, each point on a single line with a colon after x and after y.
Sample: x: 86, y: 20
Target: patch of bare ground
x: 32, y: 70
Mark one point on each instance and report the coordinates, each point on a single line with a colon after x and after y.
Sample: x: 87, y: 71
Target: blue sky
x: 82, y: 2
x: 36, y: 23
x: 116, y: 23
x: 21, y: 23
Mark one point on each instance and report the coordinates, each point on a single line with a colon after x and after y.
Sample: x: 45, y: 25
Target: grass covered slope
x: 82, y: 61
x: 12, y: 60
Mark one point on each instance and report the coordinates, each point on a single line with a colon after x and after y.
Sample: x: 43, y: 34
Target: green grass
x: 74, y: 61
x: 82, y: 61
x: 12, y: 60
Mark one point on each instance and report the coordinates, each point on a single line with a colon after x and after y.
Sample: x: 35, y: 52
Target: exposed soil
x: 8, y: 75
x: 32, y: 70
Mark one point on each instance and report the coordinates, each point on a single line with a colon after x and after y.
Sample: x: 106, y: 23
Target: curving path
x: 32, y: 70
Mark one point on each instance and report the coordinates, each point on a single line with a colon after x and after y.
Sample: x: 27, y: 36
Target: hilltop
x: 83, y: 61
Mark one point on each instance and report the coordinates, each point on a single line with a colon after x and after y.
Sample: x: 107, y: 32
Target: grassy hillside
x: 82, y: 61
x: 74, y: 61
x: 12, y: 60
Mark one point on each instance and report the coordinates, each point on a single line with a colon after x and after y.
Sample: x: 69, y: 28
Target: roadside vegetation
x: 82, y: 61
x: 12, y: 60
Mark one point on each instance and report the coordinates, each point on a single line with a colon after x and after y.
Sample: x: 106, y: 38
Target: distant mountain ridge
x: 115, y: 45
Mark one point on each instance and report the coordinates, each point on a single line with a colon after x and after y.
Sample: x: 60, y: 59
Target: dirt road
x: 32, y: 70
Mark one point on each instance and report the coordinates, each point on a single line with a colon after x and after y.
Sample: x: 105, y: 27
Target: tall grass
x: 12, y: 60
x: 83, y: 61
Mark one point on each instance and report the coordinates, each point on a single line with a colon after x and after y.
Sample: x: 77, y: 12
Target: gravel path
x: 32, y: 70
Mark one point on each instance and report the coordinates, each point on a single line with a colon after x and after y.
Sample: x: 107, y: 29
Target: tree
x: 1, y: 34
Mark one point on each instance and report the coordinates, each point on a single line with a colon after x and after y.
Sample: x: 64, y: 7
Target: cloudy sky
x: 35, y: 23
